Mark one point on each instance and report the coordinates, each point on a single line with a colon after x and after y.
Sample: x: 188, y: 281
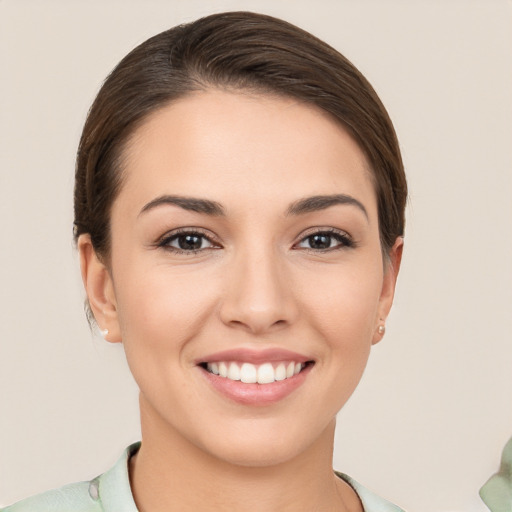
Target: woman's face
x: 245, y: 242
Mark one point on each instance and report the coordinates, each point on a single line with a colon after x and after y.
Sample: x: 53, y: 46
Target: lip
x: 269, y: 355
x: 256, y: 395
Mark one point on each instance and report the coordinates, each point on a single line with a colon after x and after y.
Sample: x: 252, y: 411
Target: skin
x: 256, y: 283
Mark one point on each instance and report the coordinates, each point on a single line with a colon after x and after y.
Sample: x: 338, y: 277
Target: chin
x: 258, y: 455
x: 265, y: 446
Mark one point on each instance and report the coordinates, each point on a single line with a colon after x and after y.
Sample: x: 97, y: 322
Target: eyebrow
x: 300, y: 207
x: 192, y: 204
x: 316, y: 203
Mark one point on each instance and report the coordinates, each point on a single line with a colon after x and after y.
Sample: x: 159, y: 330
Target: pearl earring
x: 104, y: 332
x: 381, y: 330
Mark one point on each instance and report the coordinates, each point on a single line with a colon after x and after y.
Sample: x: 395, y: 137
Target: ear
x: 391, y: 268
x: 99, y: 288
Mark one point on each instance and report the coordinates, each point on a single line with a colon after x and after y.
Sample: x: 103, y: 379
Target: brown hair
x: 233, y: 50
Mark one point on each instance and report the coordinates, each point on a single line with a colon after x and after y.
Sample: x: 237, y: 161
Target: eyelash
x: 182, y: 232
x: 343, y: 239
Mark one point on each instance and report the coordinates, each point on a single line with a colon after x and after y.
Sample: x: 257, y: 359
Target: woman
x: 239, y: 212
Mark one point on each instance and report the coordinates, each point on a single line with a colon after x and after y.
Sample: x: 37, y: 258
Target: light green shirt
x: 111, y: 492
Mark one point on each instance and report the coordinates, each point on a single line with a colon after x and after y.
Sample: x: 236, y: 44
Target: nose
x: 258, y: 297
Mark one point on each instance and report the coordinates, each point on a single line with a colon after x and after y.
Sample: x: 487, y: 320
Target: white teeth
x: 250, y: 373
x: 266, y: 374
x: 233, y: 372
x: 280, y: 372
x: 223, y: 369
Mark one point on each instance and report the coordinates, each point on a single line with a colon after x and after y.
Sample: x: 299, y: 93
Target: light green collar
x: 112, y: 488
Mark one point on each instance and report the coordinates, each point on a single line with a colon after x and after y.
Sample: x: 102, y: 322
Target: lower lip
x: 256, y: 394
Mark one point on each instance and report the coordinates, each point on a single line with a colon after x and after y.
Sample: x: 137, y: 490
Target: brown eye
x: 319, y: 241
x: 186, y: 241
x: 189, y: 242
x: 326, y: 240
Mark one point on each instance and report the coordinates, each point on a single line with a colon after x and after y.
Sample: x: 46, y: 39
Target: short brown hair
x: 236, y: 51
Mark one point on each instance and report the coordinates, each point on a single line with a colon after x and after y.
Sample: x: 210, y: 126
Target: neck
x: 171, y: 473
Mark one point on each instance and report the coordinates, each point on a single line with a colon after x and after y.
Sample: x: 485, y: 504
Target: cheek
x: 159, y: 314
x: 162, y: 307
x: 342, y: 309
x: 343, y: 302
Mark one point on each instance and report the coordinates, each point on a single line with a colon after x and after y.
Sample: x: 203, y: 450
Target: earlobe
x: 391, y: 270
x: 100, y: 290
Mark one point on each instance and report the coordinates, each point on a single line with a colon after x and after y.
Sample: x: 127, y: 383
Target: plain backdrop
x: 427, y: 424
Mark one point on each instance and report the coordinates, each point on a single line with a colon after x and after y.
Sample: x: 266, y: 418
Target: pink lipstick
x: 254, y: 377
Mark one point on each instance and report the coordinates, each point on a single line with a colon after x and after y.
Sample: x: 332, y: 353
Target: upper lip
x: 254, y: 356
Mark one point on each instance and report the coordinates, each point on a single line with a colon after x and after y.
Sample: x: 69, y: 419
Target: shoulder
x: 371, y: 502
x: 109, y: 492
x: 78, y: 497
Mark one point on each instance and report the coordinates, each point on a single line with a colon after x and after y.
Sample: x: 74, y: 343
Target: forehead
x: 241, y: 145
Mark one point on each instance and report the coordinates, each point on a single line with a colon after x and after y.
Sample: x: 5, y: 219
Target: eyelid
x: 347, y: 241
x: 164, y: 240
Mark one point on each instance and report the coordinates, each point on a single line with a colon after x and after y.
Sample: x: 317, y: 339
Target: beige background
x: 427, y: 424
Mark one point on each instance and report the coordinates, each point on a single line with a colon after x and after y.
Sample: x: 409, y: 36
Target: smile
x: 255, y: 377
x: 249, y: 373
